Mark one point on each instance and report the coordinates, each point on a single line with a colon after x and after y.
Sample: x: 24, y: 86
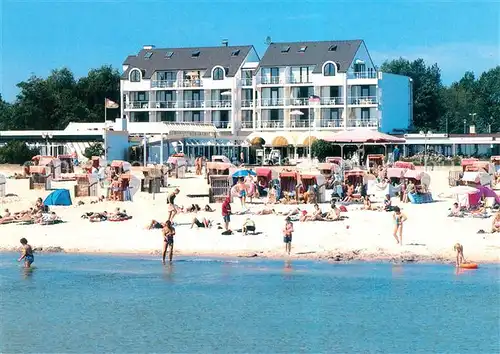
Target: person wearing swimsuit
x: 399, y: 219
x: 168, y: 241
x: 27, y: 253
x: 172, y: 210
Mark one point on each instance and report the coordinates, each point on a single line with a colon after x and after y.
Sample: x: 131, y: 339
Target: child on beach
x: 287, y: 235
x: 460, y: 254
x: 26, y: 253
x: 399, y: 219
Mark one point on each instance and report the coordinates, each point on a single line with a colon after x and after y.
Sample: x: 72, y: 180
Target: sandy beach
x: 429, y: 235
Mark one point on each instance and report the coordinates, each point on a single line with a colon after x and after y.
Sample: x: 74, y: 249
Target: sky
x: 38, y: 35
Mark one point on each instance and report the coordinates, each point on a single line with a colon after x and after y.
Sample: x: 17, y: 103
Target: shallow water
x: 80, y: 303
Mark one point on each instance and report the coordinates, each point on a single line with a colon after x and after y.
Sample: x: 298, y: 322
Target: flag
x: 314, y: 99
x: 111, y: 104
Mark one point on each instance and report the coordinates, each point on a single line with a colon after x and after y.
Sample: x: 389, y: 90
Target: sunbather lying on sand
x: 155, y: 225
x: 265, y: 211
x: 294, y: 211
x: 203, y: 223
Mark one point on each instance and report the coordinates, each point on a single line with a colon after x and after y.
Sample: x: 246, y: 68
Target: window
x: 302, y: 49
x: 169, y: 55
x: 235, y: 53
x: 285, y: 49
x: 218, y: 74
x: 329, y: 69
x: 135, y: 75
x: 148, y: 55
x: 195, y: 54
x: 332, y: 48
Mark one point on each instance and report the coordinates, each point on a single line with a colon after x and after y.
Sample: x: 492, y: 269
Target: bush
x: 94, y: 150
x: 322, y: 149
x: 16, y: 152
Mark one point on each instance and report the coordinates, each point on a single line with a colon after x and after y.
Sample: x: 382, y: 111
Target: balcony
x: 332, y: 101
x: 137, y: 105
x: 362, y: 123
x: 269, y: 102
x: 293, y: 80
x: 331, y: 123
x: 363, y: 75
x: 222, y: 125
x: 300, y: 123
x: 298, y: 102
x: 272, y: 124
x: 218, y: 104
x: 246, y: 103
x: 246, y: 124
x: 271, y: 80
x: 246, y: 81
x: 163, y: 104
x: 192, y: 104
x: 363, y: 100
x: 163, y: 83
x: 190, y: 83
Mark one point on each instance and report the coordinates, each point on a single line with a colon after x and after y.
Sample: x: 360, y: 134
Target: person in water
x: 459, y: 249
x: 168, y: 241
x: 399, y: 219
x: 26, y: 253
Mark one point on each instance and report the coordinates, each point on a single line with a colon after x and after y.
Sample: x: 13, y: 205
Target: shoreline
x: 336, y: 256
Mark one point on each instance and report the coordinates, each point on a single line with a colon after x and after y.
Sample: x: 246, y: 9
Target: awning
x: 280, y: 141
x: 288, y: 174
x: 468, y: 162
x: 362, y: 136
x: 259, y: 138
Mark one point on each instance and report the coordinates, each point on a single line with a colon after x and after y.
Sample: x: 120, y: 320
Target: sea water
x: 80, y: 303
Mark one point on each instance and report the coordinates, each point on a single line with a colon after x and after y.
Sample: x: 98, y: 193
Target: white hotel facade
x: 245, y: 96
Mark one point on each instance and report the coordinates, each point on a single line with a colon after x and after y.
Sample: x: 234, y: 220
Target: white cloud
x: 454, y: 59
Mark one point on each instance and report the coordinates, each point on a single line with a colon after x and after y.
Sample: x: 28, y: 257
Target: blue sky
x: 39, y: 35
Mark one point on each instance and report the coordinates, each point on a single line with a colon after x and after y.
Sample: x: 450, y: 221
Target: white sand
x: 428, y: 233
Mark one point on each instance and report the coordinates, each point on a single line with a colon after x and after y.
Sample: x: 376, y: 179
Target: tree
x: 427, y: 109
x: 5, y: 114
x: 94, y: 150
x: 321, y: 149
x: 16, y: 151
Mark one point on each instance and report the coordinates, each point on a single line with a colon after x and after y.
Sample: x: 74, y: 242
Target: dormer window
x: 135, y: 75
x: 235, y: 53
x: 148, y: 55
x: 218, y: 74
x: 329, y: 69
x: 169, y: 55
x: 285, y: 49
x: 195, y: 54
x: 333, y: 48
x: 302, y: 49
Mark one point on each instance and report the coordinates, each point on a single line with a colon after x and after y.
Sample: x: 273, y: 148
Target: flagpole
x: 105, y: 134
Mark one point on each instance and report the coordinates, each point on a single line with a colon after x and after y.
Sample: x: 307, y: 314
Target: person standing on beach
x: 287, y: 235
x: 399, y: 219
x: 26, y: 254
x: 168, y: 241
x: 460, y: 254
x: 226, y: 212
x: 172, y: 210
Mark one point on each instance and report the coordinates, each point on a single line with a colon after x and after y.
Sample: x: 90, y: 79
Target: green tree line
x: 53, y: 102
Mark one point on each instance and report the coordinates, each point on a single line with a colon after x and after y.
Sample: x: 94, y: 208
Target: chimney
x: 148, y: 47
x: 225, y: 42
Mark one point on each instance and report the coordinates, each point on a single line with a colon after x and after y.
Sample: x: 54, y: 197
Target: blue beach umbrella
x: 244, y: 173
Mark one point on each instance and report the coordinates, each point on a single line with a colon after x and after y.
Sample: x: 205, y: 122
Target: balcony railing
x: 298, y: 102
x: 271, y: 80
x: 362, y: 123
x: 363, y: 100
x: 222, y: 125
x: 300, y: 123
x: 294, y: 80
x: 266, y: 102
x: 272, y: 124
x: 164, y: 104
x: 332, y: 101
x: 363, y: 75
x: 331, y: 123
x: 218, y: 104
x: 246, y: 124
x: 190, y: 83
x: 137, y: 105
x: 163, y: 83
x: 247, y: 103
x: 192, y: 104
x: 248, y: 81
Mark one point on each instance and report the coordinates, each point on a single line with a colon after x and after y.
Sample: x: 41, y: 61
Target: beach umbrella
x: 463, y: 190
x: 244, y: 173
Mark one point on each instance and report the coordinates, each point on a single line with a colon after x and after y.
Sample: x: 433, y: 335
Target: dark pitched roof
x: 316, y: 53
x: 182, y: 59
